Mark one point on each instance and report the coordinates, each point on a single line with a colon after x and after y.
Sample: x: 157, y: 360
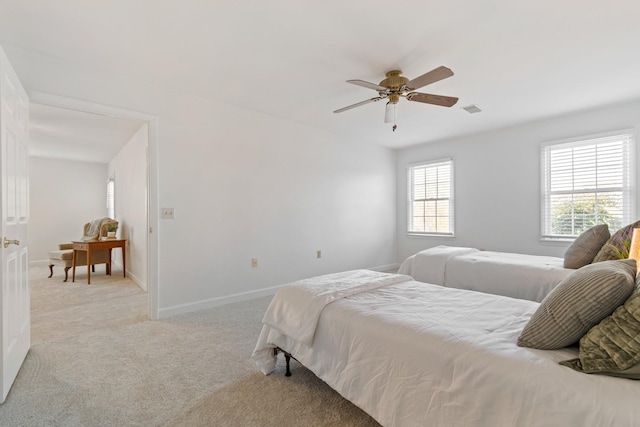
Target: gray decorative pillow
x: 586, y: 246
x: 579, y: 302
x: 612, y: 347
x: 617, y: 247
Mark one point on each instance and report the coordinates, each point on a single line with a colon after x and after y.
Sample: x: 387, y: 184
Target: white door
x: 14, y: 197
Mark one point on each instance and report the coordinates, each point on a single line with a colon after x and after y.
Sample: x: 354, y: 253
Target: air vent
x: 472, y: 109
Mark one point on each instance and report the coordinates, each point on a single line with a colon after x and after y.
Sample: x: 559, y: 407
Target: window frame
x: 627, y: 187
x: 451, y: 197
x: 111, y: 198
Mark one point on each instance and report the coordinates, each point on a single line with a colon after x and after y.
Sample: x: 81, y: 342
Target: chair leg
x: 51, y: 270
x: 66, y: 273
x: 93, y: 268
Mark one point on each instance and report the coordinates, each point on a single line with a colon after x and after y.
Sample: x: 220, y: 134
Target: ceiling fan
x: 396, y: 86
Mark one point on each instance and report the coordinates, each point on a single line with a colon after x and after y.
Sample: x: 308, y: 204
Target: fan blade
x: 377, y: 98
x: 430, y: 77
x: 427, y: 98
x: 368, y: 85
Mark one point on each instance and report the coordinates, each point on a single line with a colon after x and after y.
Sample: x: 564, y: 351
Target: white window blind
x: 431, y: 198
x: 111, y: 198
x: 587, y: 182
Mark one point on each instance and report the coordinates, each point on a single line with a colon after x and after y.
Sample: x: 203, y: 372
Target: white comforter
x: 295, y: 308
x: 521, y: 276
x: 414, y: 354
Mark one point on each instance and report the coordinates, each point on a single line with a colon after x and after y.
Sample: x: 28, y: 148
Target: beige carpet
x: 96, y: 361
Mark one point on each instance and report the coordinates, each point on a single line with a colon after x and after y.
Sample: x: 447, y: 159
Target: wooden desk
x: 94, y: 245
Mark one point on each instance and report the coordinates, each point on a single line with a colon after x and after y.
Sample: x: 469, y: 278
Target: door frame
x: 152, y: 177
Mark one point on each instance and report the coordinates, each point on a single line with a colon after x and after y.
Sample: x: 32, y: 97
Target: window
x: 431, y: 198
x: 111, y: 198
x: 587, y: 182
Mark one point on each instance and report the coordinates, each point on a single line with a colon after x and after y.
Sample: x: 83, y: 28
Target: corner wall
x: 129, y: 169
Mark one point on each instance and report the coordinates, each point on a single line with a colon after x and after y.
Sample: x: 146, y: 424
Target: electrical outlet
x: 319, y: 254
x: 166, y: 213
x: 254, y: 262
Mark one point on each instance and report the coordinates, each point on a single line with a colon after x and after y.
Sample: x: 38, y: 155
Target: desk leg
x: 89, y: 265
x: 73, y: 276
x: 124, y: 260
x: 109, y: 263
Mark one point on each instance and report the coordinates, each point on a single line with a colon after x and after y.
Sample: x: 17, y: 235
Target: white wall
x: 497, y: 181
x: 129, y: 169
x: 64, y: 195
x: 243, y: 185
x: 246, y: 186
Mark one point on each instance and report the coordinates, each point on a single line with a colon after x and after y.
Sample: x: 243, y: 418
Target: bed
x: 529, y: 277
x: 415, y: 354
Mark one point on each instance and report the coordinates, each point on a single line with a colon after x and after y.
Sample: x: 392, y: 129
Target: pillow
x: 612, y: 347
x: 580, y: 301
x: 617, y: 247
x: 586, y: 246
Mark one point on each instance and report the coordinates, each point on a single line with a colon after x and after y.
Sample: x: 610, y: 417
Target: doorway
x: 140, y: 150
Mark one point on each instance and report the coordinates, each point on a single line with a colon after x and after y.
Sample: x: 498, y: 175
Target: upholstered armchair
x: 94, y: 230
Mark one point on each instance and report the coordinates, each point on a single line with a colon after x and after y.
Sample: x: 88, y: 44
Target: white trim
x: 588, y: 138
x: 386, y: 268
x: 556, y: 242
x: 152, y: 178
x: 418, y: 234
x: 427, y: 162
x: 135, y: 279
x: 111, y: 198
x: 216, y: 302
x: 452, y: 200
x: 153, y: 284
x: 239, y: 297
x: 628, y: 182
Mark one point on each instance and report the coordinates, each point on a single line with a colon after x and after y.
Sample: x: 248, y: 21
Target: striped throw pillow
x: 579, y: 302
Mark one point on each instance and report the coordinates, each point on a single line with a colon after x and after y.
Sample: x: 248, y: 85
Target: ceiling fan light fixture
x: 396, y: 85
x: 391, y: 112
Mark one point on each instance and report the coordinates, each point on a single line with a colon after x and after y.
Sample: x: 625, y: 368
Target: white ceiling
x: 517, y: 60
x: 75, y: 135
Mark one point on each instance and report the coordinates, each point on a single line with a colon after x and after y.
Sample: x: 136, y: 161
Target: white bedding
x: 521, y: 276
x: 414, y: 354
x: 295, y: 308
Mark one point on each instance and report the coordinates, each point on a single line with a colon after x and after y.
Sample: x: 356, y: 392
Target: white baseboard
x: 389, y: 268
x: 215, y: 302
x: 135, y: 279
x: 219, y: 301
x: 243, y: 296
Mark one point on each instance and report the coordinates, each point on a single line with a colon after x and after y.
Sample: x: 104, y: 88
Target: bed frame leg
x: 287, y: 359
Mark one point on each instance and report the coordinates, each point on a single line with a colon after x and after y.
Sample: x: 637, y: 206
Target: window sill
x: 414, y: 234
x: 556, y: 242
